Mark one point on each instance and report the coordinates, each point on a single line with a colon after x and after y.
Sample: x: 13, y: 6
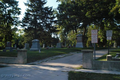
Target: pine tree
x: 38, y: 17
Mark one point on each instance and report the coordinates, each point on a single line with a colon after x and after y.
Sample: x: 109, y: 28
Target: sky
x: 50, y: 3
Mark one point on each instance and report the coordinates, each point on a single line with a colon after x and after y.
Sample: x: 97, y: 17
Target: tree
x: 8, y: 17
x: 38, y: 17
x: 71, y: 16
x: 87, y: 12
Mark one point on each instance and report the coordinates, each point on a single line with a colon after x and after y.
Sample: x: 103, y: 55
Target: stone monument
x: 26, y: 46
x: 58, y: 45
x: 79, y: 41
x: 8, y: 47
x: 35, y: 45
x: 43, y: 45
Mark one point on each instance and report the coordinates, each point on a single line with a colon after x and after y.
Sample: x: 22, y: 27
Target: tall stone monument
x: 79, y: 41
x: 35, y: 45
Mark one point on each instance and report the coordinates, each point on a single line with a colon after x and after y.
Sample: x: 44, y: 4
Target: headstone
x: 8, y: 44
x: 26, y: 46
x: 70, y: 46
x: 58, y: 45
x: 43, y: 45
x: 8, y: 47
x: 115, y: 45
x: 35, y: 45
x: 39, y: 51
x: 15, y: 46
x: 79, y: 41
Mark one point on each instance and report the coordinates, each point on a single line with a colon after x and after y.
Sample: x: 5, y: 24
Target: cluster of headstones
x: 8, y: 47
x: 36, y: 46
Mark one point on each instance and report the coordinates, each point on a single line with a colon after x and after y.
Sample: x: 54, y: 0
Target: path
x: 54, y: 68
x: 99, y: 53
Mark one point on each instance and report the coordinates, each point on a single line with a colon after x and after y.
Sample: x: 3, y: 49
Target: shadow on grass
x: 45, y: 53
x: 92, y: 76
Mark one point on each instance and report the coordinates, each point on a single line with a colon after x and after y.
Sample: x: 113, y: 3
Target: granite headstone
x: 79, y: 41
x: 35, y: 45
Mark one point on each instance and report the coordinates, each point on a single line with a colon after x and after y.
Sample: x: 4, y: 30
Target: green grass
x: 8, y: 53
x: 91, y: 76
x: 45, y: 53
x: 113, y: 53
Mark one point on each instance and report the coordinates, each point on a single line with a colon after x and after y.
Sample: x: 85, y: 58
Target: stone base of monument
x: 79, y: 45
x: 35, y: 45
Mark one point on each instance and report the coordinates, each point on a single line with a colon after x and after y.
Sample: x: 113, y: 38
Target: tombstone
x: 52, y: 46
x: 35, y: 45
x: 43, y: 45
x: 8, y: 44
x: 15, y: 46
x: 8, y: 47
x: 58, y: 45
x: 70, y: 45
x: 48, y: 47
x: 26, y: 46
x: 79, y: 43
x: 115, y: 45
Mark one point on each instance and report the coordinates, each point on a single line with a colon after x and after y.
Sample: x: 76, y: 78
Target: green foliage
x: 45, y: 53
x: 72, y: 37
x: 38, y: 17
x: 91, y: 27
x: 9, y: 12
x: 38, y: 22
x: 82, y: 13
x: 91, y: 76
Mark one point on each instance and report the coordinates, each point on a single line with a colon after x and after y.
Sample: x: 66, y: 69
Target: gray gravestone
x: 58, y: 45
x: 35, y: 45
x: 79, y: 41
x: 8, y: 47
x: 26, y: 46
x: 15, y: 46
x: 43, y: 45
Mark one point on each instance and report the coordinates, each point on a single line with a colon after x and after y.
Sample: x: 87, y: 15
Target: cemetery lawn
x: 45, y: 53
x: 91, y: 76
x: 113, y: 53
x: 8, y: 53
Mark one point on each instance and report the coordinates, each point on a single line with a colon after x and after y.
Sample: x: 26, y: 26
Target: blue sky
x: 50, y: 3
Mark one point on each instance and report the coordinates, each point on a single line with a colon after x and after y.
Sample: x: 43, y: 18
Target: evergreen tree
x: 38, y: 18
x: 9, y: 12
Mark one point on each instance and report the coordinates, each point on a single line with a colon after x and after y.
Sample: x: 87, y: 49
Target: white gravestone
x: 35, y: 45
x: 79, y: 43
x: 43, y: 45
